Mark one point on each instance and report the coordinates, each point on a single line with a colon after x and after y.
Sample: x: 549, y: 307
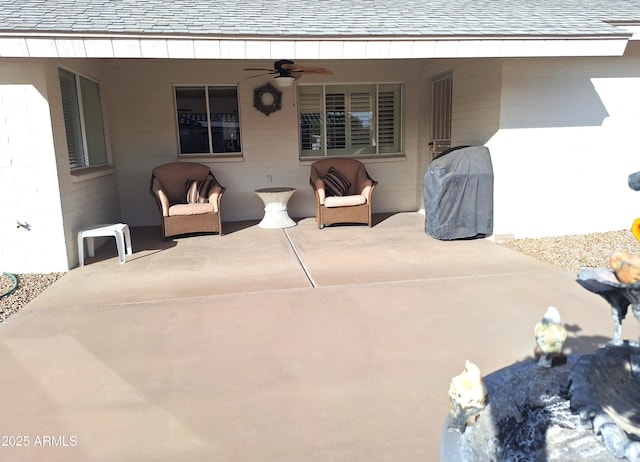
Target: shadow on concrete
x: 582, y: 344
x: 236, y: 226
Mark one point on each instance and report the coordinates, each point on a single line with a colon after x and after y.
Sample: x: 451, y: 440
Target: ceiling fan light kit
x: 284, y: 80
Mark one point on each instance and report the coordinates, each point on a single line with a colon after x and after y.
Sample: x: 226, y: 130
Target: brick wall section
x: 89, y: 198
x: 476, y: 101
x: 143, y: 134
x: 562, y: 134
x: 36, y: 184
x: 28, y: 175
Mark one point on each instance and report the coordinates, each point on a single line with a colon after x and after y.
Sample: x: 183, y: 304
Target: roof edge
x: 178, y: 36
x: 182, y: 47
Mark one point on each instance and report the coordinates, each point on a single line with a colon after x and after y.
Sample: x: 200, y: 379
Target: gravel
x: 575, y: 252
x: 29, y: 287
x: 570, y: 253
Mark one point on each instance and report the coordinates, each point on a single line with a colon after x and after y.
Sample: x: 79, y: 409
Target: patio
x: 273, y: 345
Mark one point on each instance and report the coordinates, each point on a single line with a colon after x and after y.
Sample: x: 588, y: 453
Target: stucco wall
x: 143, y: 134
x: 567, y: 142
x: 28, y: 173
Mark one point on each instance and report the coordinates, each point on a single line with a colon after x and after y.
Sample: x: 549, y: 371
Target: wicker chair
x: 188, y: 197
x: 349, y: 204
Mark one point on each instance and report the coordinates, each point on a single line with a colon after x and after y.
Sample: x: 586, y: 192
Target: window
x: 82, y: 120
x: 208, y: 120
x: 349, y: 120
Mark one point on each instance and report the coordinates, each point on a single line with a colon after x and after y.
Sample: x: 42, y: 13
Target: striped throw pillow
x: 335, y: 183
x: 198, y: 190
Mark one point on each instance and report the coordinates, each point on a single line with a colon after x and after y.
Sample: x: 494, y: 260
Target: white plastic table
x: 119, y: 230
x: 275, y: 207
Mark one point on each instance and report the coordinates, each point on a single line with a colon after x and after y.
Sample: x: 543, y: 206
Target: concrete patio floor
x: 273, y: 345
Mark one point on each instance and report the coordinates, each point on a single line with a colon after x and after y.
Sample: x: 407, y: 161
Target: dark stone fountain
x: 586, y: 409
x: 529, y: 418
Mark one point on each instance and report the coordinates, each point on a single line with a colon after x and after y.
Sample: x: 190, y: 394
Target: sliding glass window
x: 208, y: 120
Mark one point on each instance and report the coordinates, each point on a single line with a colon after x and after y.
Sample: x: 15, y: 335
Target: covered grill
x: 458, y: 194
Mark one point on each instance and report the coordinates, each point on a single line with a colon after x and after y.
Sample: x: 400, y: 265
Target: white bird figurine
x: 468, y: 397
x: 550, y: 337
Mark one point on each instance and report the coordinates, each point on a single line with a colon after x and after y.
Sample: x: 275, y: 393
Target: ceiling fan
x: 287, y: 71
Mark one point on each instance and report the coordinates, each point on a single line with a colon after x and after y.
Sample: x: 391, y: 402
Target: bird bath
x: 603, y: 282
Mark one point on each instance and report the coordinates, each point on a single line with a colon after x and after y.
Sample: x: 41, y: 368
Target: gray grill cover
x: 458, y: 194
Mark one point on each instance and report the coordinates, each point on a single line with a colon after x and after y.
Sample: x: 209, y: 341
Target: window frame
x: 87, y: 117
x: 210, y: 137
x: 347, y: 89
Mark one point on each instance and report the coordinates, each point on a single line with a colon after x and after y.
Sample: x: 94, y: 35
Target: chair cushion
x: 198, y: 191
x: 344, y: 201
x: 335, y: 183
x: 191, y: 209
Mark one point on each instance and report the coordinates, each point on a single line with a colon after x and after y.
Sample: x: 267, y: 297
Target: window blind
x: 336, y: 124
x: 310, y: 107
x: 354, y: 120
x: 360, y: 119
x: 71, y: 112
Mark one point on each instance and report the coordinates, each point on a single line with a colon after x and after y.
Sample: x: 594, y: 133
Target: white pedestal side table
x: 275, y: 207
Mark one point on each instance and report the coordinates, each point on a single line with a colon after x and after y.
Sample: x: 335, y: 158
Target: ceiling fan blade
x: 272, y: 71
x: 257, y: 75
x: 307, y: 69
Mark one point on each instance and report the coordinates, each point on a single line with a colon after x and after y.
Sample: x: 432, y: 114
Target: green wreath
x: 267, y: 99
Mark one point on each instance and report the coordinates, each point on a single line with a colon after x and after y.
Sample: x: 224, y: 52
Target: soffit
x: 272, y: 49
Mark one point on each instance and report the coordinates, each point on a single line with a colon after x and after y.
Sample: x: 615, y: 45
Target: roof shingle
x: 320, y: 18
